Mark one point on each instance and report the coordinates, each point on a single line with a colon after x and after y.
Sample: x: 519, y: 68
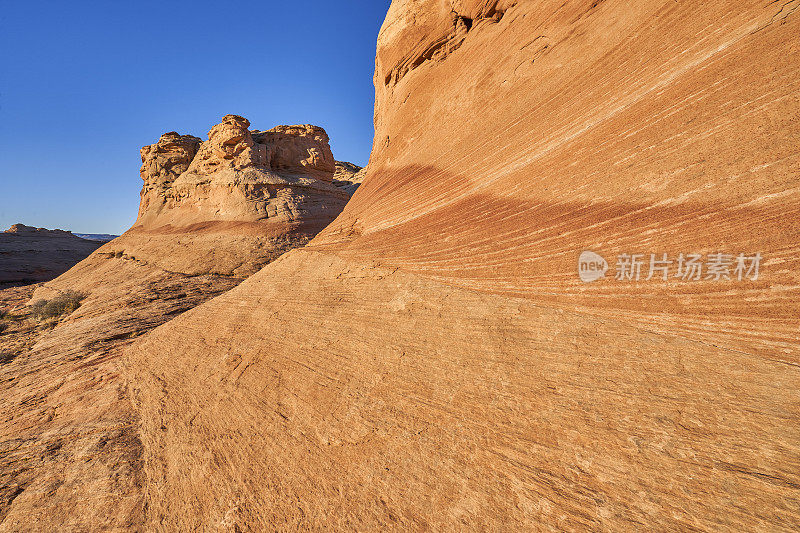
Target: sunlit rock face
x: 434, y: 360
x: 646, y: 129
x: 167, y: 159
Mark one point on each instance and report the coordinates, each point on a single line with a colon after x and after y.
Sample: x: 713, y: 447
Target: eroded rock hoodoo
x: 279, y: 179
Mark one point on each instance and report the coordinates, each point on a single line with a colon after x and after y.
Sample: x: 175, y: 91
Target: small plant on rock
x: 63, y: 304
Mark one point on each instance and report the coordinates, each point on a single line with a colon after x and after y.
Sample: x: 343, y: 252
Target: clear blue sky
x: 83, y: 85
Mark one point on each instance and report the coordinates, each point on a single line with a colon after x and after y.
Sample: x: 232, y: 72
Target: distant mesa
x: 102, y: 237
x: 22, y: 229
x: 29, y: 254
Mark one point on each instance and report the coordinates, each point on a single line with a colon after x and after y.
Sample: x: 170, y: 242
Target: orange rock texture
x: 432, y: 360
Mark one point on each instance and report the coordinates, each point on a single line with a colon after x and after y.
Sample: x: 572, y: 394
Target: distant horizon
x: 82, y: 93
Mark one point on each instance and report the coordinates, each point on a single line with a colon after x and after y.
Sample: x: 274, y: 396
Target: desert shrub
x: 3, y: 327
x: 37, y: 307
x: 6, y: 357
x: 63, y: 304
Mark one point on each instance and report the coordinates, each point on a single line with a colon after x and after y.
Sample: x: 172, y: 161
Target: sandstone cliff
x: 432, y: 361
x: 29, y: 254
x: 211, y: 213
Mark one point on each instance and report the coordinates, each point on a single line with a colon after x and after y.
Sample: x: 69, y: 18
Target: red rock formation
x: 348, y: 176
x: 167, y: 159
x: 300, y: 149
x: 432, y: 359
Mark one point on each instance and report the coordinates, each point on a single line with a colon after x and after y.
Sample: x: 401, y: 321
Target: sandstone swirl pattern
x: 432, y: 361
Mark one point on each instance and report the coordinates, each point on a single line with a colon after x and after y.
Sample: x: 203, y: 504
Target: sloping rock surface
x: 211, y: 213
x: 432, y: 360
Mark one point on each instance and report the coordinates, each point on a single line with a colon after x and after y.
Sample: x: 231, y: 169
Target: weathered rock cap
x: 296, y: 149
x: 168, y: 158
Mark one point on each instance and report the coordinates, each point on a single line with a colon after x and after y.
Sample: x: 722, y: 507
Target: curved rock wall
x: 432, y: 360
x: 640, y: 129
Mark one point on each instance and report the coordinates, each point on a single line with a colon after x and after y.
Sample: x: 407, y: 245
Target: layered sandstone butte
x: 208, y: 206
x: 29, y: 254
x: 211, y: 213
x: 431, y: 361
